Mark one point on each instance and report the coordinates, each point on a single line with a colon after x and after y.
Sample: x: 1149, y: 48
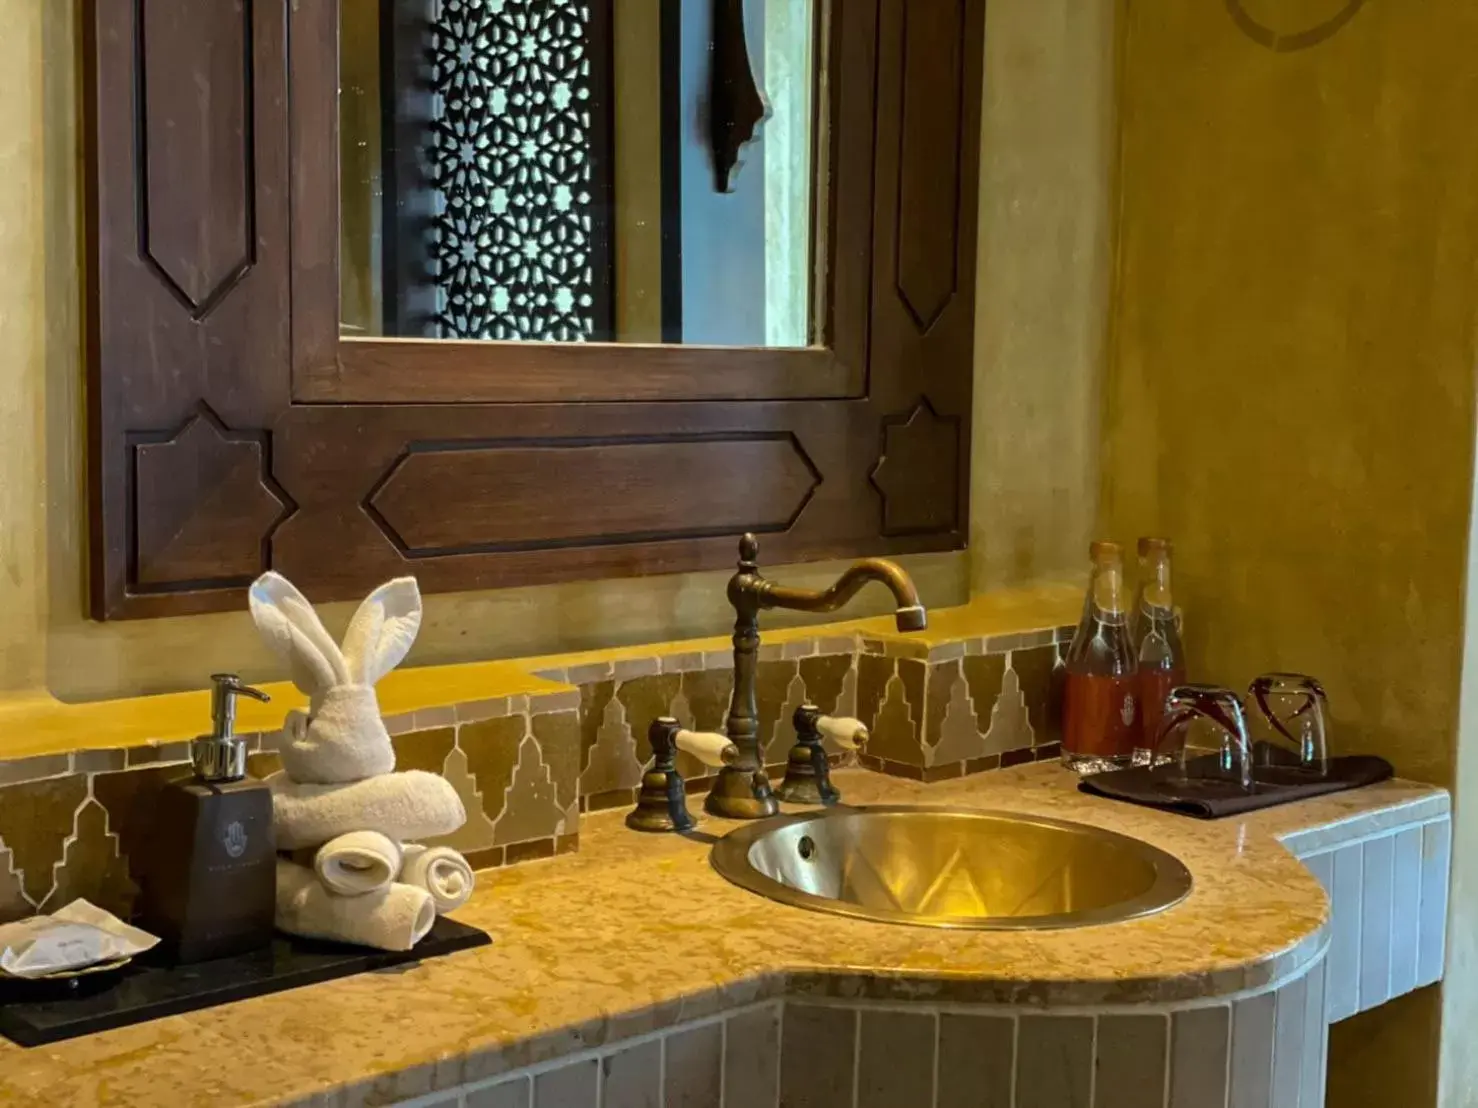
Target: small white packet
x: 71, y: 939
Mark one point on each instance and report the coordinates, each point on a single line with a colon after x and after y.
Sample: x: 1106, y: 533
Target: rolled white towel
x: 400, y: 806
x: 396, y: 917
x: 358, y: 863
x: 441, y: 871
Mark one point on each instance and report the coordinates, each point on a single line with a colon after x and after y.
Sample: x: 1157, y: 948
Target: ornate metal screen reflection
x: 517, y: 161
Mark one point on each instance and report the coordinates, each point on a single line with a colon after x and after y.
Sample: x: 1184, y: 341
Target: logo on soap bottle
x: 234, y: 839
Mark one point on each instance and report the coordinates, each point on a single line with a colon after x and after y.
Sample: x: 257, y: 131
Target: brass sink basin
x: 951, y: 867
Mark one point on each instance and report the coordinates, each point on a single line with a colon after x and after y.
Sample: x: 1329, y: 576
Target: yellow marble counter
x: 636, y: 933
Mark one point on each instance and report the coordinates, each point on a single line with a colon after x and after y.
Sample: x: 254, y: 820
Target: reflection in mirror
x: 580, y: 170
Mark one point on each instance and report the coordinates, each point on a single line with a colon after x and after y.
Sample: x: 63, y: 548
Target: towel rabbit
x: 342, y: 738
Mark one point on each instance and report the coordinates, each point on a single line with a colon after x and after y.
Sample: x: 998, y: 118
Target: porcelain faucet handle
x: 709, y: 747
x: 845, y: 732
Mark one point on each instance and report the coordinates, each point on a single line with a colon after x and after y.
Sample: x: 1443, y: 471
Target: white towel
x: 400, y: 806
x: 344, y: 741
x: 342, y: 738
x: 439, y: 870
x: 396, y: 917
x: 358, y: 863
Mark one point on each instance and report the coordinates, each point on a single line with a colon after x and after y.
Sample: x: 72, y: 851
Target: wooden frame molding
x: 233, y: 429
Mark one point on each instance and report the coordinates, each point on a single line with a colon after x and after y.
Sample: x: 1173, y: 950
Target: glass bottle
x: 1099, y: 695
x: 1157, y: 645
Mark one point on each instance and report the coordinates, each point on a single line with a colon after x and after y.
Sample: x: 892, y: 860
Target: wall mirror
x: 501, y: 292
x: 580, y: 170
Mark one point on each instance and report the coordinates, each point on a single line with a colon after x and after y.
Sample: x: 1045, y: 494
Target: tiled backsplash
x: 526, y: 766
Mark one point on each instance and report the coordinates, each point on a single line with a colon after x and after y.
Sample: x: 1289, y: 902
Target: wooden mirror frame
x: 232, y: 429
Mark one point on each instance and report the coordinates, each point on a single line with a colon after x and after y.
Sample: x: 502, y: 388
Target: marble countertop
x: 635, y: 933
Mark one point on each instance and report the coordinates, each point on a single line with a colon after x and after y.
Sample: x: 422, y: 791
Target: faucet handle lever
x: 709, y: 747
x: 844, y: 731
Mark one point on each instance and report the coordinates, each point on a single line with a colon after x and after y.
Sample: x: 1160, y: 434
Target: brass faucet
x: 742, y: 791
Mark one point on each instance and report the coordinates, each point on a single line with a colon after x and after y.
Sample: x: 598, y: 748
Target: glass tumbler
x: 1289, y: 726
x: 1203, y: 745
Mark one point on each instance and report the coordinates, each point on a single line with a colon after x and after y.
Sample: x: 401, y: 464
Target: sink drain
x: 806, y: 848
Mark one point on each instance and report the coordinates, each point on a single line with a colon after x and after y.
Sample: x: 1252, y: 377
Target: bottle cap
x: 1149, y: 545
x: 1104, y: 550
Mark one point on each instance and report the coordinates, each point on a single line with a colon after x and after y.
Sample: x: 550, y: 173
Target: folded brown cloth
x: 1210, y: 799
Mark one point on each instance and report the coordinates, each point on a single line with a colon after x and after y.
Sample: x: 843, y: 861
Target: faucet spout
x: 742, y: 790
x: 909, y: 614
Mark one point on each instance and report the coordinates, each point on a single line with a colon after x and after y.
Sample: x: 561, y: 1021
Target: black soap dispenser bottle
x: 210, y: 882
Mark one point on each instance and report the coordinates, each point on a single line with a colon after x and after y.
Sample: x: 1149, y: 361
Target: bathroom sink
x: 951, y: 867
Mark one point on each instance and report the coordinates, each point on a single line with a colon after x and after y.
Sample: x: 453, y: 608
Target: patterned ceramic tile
x: 595, y: 698
x: 492, y: 750
x: 895, y: 730
x: 940, y: 678
x: 825, y: 676
x: 777, y: 730
x: 531, y: 808
x: 424, y: 750
x: 984, y: 673
x: 960, y: 739
x: 477, y: 834
x: 35, y: 820
x: 1010, y: 729
x: 646, y: 698
x: 707, y: 693
x: 776, y: 686
x: 873, y: 674
x: 558, y: 734
x: 13, y: 902
x: 92, y: 867
x: 614, y: 759
x: 1034, y: 668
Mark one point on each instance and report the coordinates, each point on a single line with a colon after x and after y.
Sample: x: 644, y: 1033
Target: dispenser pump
x: 221, y: 755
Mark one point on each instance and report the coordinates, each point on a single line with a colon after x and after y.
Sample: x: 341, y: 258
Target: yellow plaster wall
x: 45, y: 643
x: 1290, y: 386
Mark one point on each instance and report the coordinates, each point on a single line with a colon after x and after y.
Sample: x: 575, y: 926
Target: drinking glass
x: 1289, y: 719
x: 1203, y: 745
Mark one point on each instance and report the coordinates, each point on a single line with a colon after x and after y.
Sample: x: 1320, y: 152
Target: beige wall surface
x: 46, y: 642
x: 1291, y: 390
x: 1047, y: 152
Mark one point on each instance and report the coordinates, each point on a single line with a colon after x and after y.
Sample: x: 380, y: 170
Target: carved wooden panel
x: 929, y: 201
x: 195, y: 140
x: 204, y: 508
x: 451, y: 498
x: 212, y: 228
x: 918, y: 472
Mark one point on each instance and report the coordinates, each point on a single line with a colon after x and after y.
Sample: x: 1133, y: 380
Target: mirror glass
x: 580, y: 170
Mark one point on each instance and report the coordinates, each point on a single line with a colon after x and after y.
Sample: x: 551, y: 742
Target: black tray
x: 35, y: 1013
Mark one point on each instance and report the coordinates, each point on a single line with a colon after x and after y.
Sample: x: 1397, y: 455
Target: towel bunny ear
x: 291, y: 627
x: 382, y: 631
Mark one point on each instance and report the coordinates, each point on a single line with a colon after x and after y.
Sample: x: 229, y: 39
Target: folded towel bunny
x: 400, y: 806
x: 441, y: 871
x: 396, y: 917
x: 358, y: 863
x: 342, y: 738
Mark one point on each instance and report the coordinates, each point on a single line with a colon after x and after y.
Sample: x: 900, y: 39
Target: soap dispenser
x: 210, y: 880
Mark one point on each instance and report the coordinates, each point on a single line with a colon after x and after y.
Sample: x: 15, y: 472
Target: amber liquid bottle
x: 1157, y: 646
x: 1100, y: 715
